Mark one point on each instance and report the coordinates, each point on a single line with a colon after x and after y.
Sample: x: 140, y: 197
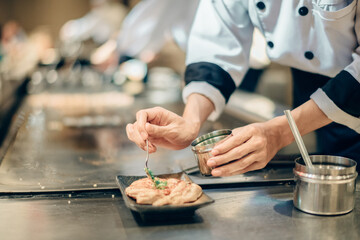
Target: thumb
x: 152, y: 148
x: 155, y: 131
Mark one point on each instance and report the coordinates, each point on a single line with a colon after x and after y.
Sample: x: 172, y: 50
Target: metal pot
x: 328, y: 188
x: 203, y: 145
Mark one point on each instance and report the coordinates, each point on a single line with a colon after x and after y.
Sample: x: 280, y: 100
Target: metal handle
x: 298, y: 139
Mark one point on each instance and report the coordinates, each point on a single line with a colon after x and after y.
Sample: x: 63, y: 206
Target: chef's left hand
x: 249, y: 148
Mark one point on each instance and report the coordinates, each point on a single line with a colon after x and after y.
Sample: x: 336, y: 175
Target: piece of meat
x: 176, y: 192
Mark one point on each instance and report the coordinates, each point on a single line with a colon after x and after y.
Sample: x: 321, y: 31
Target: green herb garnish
x: 158, y: 184
x: 148, y: 171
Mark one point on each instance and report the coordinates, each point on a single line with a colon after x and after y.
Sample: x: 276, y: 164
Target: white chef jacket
x: 318, y: 36
x: 148, y: 24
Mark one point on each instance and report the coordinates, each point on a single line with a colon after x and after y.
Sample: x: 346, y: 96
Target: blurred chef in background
x: 21, y: 52
x: 12, y: 35
x: 145, y: 30
x: 319, y: 40
x: 150, y: 24
x: 103, y: 21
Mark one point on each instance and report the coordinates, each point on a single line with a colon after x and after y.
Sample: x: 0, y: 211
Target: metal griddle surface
x: 45, y: 155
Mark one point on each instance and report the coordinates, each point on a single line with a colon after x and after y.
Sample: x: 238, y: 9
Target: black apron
x: 333, y: 139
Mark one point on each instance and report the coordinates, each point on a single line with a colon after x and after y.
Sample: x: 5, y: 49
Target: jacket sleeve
x: 218, y: 51
x: 339, y: 99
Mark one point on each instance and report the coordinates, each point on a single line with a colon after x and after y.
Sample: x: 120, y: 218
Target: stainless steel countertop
x: 44, y: 154
x: 59, y: 183
x: 263, y: 212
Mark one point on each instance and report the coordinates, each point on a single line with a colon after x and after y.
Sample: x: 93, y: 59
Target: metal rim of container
x: 311, y: 178
x: 210, y: 135
x: 208, y: 145
x: 348, y: 171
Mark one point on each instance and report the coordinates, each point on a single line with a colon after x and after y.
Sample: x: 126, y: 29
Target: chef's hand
x: 167, y: 129
x: 253, y: 146
x: 162, y: 128
x: 248, y: 148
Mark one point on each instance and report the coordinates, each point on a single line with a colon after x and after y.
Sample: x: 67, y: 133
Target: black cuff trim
x: 344, y: 91
x: 212, y: 74
x: 124, y: 58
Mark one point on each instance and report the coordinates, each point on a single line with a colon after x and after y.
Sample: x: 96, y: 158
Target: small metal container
x: 203, y: 145
x: 328, y: 188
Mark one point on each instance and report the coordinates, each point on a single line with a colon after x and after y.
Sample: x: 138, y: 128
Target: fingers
x: 238, y: 137
x: 162, y: 127
x: 152, y: 147
x: 135, y: 136
x: 250, y: 148
x: 155, y: 131
x: 246, y: 164
x: 141, y: 120
x: 237, y: 152
x: 139, y: 131
x: 232, y: 167
x: 150, y: 115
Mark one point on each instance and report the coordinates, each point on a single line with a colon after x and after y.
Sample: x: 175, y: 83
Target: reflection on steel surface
x: 92, y: 121
x: 259, y: 176
x: 81, y: 103
x: 48, y: 156
x: 45, y: 155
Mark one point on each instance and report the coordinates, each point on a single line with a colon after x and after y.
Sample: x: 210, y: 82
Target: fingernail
x: 211, y: 163
x: 216, y: 172
x: 214, y: 152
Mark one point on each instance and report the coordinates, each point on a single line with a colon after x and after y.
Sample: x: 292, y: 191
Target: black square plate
x: 174, y: 210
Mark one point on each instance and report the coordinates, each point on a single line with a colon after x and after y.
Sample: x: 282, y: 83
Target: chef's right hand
x: 162, y: 128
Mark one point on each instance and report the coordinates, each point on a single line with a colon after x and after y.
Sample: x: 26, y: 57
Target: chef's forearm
x: 197, y: 109
x: 308, y: 117
x: 339, y: 98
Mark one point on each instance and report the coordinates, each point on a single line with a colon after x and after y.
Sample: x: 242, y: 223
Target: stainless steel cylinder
x: 328, y: 188
x: 203, y: 145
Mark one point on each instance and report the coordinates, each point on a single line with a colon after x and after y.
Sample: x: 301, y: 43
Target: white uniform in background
x: 314, y: 36
x: 146, y: 26
x: 104, y: 20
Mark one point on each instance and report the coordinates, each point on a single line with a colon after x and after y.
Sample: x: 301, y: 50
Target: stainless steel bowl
x: 328, y: 188
x: 203, y: 145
